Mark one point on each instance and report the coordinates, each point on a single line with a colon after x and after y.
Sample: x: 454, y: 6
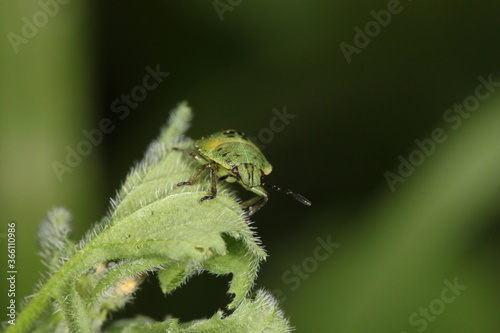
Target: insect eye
x: 235, y: 170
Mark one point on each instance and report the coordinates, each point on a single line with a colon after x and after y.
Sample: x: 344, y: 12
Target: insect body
x: 232, y: 157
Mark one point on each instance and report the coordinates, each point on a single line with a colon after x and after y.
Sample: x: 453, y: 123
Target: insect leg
x: 228, y: 176
x: 213, y: 174
x: 196, y: 176
x: 256, y: 203
x: 213, y: 180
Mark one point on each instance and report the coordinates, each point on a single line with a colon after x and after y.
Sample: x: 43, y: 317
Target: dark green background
x: 352, y: 122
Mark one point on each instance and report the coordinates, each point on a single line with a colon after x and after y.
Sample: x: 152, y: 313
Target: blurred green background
x: 397, y: 251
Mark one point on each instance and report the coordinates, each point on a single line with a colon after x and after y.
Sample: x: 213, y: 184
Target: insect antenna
x: 297, y: 196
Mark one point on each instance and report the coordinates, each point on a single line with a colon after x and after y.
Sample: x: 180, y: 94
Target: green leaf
x: 54, y: 242
x: 153, y: 226
x: 257, y: 315
x: 174, y: 275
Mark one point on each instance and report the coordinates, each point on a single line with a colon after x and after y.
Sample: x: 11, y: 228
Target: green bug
x: 230, y: 156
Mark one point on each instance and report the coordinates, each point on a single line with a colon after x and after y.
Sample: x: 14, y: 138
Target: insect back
x: 238, y: 155
x: 230, y: 156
